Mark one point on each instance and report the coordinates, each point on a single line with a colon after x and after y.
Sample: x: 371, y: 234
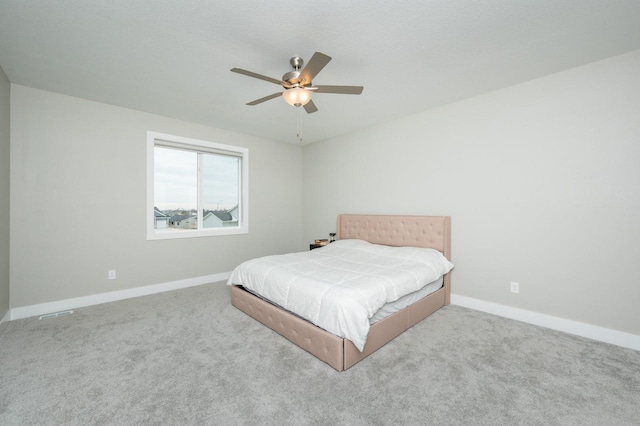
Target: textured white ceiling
x: 172, y: 57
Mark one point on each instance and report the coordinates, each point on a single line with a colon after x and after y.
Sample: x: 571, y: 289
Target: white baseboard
x: 607, y: 335
x: 96, y: 299
x: 602, y: 334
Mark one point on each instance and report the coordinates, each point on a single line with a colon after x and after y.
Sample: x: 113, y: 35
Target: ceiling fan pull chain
x: 299, y: 125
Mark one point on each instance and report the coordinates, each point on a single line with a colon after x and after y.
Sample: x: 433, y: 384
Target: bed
x: 341, y: 353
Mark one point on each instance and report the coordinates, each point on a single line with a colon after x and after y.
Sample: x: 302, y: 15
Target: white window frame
x: 162, y: 139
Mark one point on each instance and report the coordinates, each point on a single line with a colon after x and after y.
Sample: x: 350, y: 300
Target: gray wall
x: 78, y: 200
x: 541, y: 180
x: 4, y: 195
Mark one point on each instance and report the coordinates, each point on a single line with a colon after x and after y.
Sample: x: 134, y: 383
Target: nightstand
x: 315, y: 246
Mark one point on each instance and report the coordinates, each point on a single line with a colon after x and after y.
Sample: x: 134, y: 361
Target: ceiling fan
x: 298, y: 85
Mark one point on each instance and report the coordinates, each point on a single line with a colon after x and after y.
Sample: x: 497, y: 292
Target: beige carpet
x: 189, y: 357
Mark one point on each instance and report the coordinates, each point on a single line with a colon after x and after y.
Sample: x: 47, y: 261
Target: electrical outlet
x: 112, y: 274
x: 515, y: 287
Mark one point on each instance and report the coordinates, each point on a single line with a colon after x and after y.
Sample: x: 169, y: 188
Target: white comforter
x: 340, y: 286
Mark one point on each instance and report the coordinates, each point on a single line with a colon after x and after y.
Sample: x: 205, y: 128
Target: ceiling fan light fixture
x: 296, y: 96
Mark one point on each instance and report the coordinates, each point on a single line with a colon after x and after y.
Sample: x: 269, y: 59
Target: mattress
x: 389, y: 308
x: 409, y: 299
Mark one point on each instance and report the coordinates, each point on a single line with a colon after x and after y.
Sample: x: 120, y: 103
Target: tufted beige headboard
x: 391, y: 230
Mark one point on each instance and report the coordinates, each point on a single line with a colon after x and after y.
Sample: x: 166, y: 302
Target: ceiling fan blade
x: 313, y: 67
x: 259, y: 76
x: 310, y: 107
x: 266, y: 98
x: 344, y: 90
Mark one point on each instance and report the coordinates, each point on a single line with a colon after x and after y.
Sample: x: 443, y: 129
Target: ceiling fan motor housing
x: 292, y: 77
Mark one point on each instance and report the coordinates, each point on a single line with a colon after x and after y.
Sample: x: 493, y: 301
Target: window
x: 195, y: 188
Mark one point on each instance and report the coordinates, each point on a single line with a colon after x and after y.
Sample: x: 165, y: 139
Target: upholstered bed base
x: 339, y: 353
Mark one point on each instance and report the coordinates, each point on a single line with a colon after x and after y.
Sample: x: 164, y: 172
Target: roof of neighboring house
x: 223, y: 215
x: 180, y: 217
x: 158, y: 214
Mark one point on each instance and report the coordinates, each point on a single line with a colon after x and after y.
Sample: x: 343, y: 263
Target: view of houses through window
x: 177, y: 187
